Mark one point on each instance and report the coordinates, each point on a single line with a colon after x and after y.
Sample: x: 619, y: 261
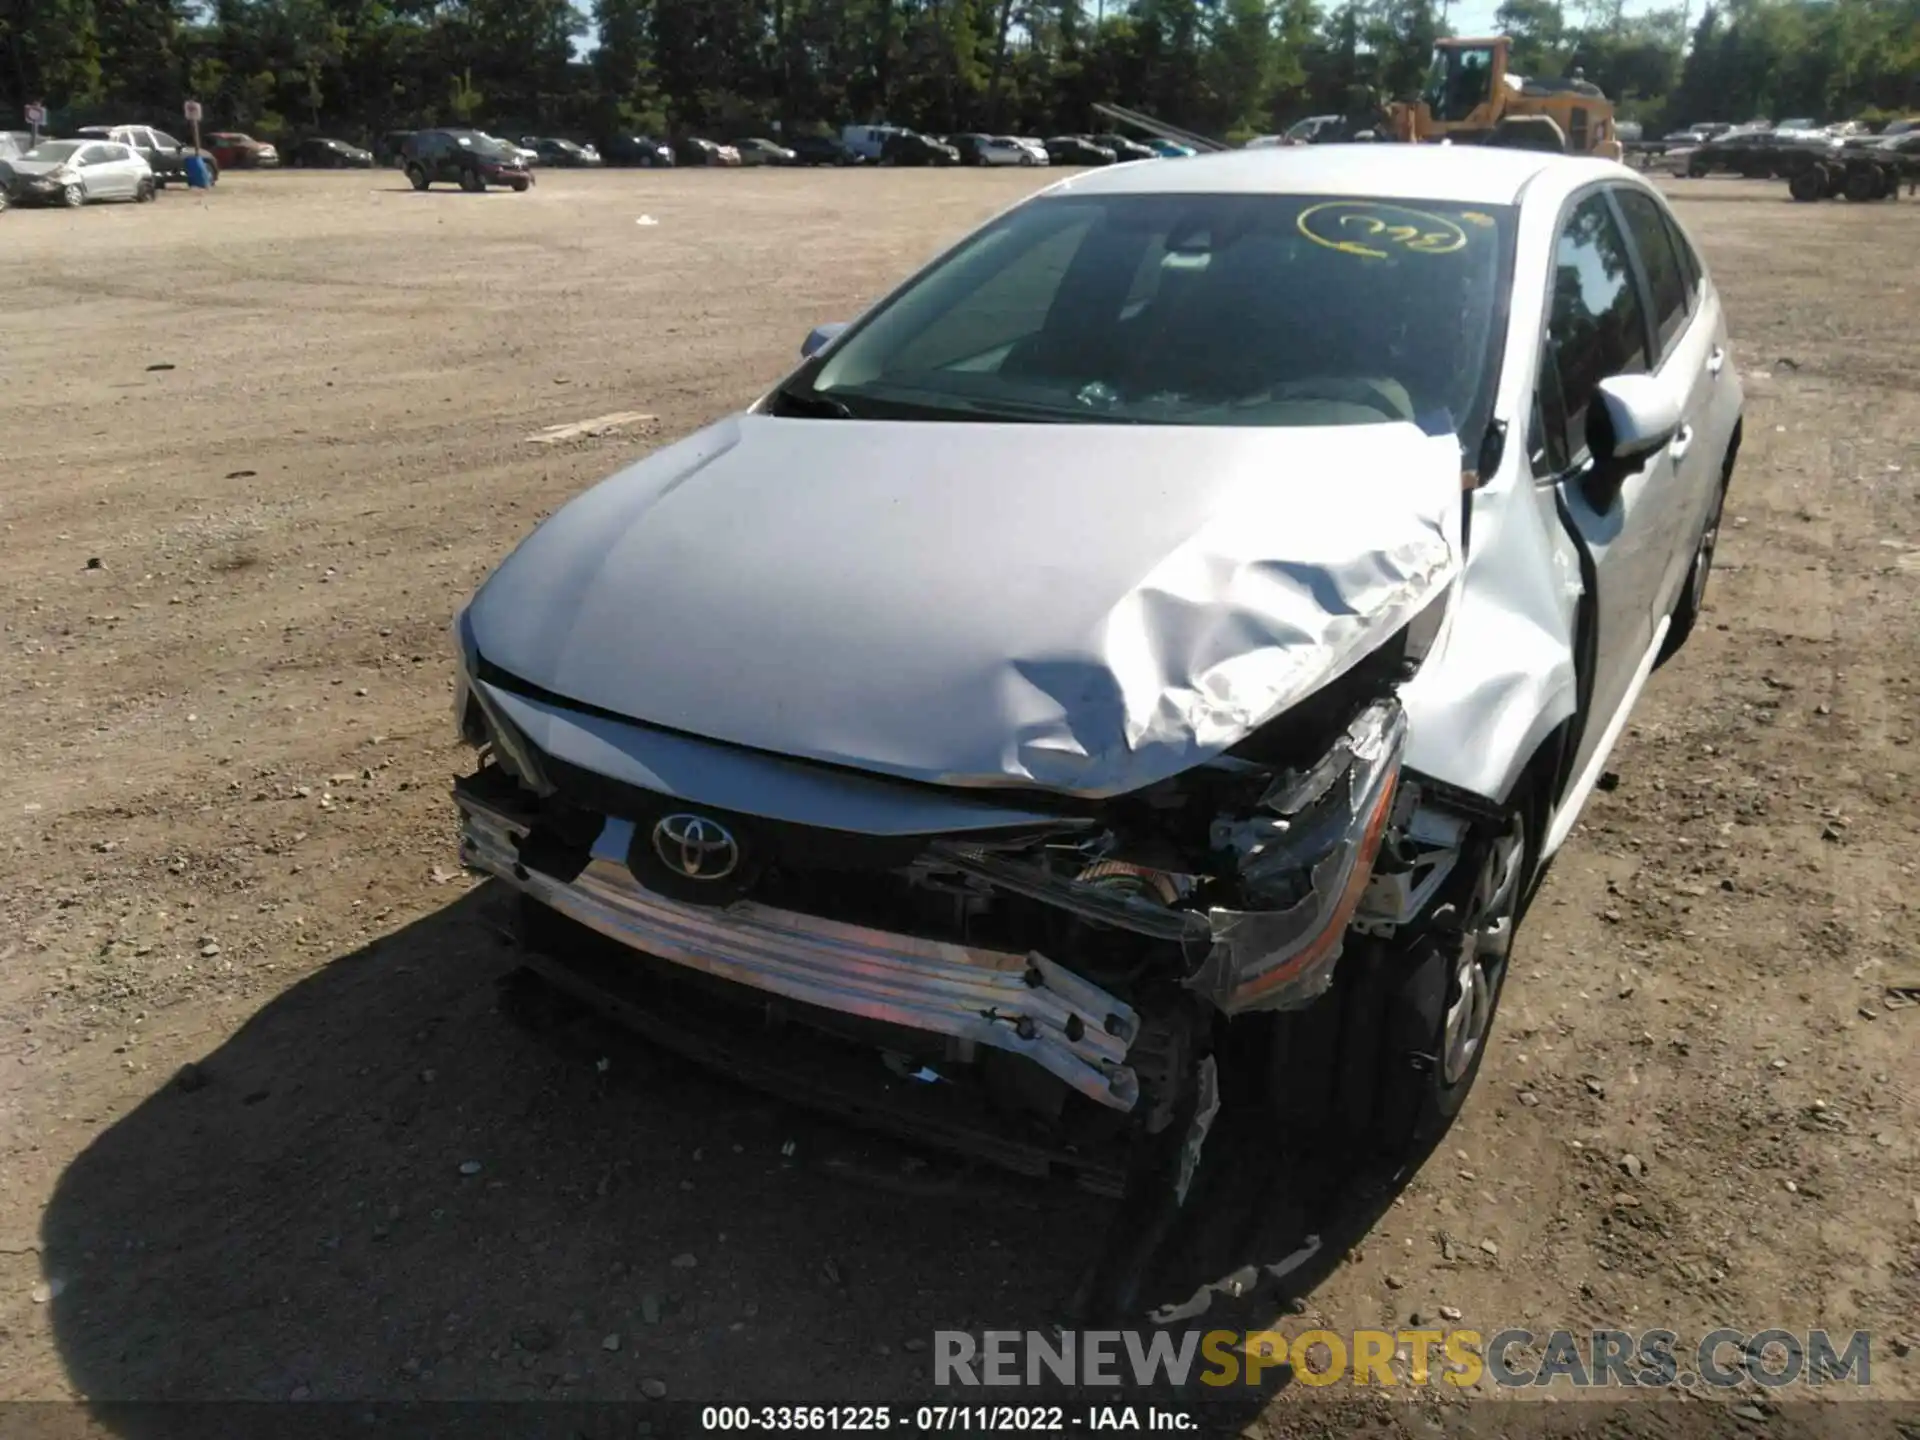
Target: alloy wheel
x: 1481, y: 964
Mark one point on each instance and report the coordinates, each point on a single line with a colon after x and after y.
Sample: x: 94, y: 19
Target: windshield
x: 1459, y: 80
x: 1189, y: 309
x: 54, y: 150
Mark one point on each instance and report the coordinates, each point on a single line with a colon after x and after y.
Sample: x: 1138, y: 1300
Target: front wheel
x: 520, y: 187
x: 73, y: 197
x: 417, y: 177
x: 1376, y: 1070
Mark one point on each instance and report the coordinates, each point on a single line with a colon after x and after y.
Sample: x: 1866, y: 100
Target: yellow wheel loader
x: 1472, y: 98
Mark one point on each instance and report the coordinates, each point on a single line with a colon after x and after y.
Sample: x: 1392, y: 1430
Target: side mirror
x: 821, y: 337
x: 1631, y: 417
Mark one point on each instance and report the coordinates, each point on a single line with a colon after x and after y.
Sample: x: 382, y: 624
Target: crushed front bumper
x: 1024, y: 1004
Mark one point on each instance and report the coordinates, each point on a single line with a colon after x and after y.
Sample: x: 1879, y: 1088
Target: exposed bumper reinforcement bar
x: 1027, y: 1005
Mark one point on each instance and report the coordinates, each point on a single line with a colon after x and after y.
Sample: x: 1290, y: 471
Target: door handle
x: 1681, y: 443
x: 1716, y: 360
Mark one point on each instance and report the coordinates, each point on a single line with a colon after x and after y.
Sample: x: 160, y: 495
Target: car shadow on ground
x: 382, y: 1188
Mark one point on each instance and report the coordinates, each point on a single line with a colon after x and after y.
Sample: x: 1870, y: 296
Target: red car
x: 234, y: 151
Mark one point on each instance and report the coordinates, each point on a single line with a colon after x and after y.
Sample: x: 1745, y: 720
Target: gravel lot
x: 259, y: 446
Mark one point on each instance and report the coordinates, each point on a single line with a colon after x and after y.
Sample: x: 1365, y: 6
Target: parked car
x: 1238, y: 786
x: 976, y: 149
x: 909, y: 147
x: 1034, y: 147
x: 764, y: 152
x: 79, y: 172
x: 1314, y: 130
x: 1759, y: 154
x: 822, y: 150
x: 641, y: 150
x: 525, y: 154
x: 1170, y: 149
x: 165, y: 156
x: 693, y: 150
x: 868, y: 141
x: 566, y: 154
x: 391, y: 148
x: 1077, y: 150
x: 235, y: 151
x: 467, y: 158
x: 1122, y: 147
x: 319, y: 153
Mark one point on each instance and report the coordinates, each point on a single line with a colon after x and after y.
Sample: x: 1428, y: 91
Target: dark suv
x: 466, y: 158
x: 905, y: 147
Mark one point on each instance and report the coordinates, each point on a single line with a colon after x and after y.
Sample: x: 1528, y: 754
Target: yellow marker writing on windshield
x: 1358, y: 227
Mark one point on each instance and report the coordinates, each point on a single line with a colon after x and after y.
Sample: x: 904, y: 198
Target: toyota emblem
x: 696, y: 847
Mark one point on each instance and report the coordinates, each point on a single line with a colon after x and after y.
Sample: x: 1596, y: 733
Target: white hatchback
x: 78, y: 172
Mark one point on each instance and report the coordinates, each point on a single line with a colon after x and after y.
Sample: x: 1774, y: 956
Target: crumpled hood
x: 33, y: 168
x: 1083, y: 608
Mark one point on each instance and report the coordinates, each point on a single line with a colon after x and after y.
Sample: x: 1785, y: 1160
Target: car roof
x: 1465, y: 174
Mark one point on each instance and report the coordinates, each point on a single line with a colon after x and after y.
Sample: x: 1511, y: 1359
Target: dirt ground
x: 259, y: 445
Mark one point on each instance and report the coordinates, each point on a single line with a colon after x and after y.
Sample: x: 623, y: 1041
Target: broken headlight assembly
x: 1300, y: 864
x: 479, y: 722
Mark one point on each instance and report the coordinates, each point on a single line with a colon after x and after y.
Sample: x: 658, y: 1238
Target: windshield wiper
x: 794, y: 402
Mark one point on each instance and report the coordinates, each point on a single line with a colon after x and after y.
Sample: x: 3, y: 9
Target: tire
x: 1375, y: 1071
x: 417, y: 177
x: 73, y: 197
x: 471, y: 182
x: 4, y: 200
x: 143, y: 193
x: 520, y: 187
x: 1809, y: 185
x: 1863, y: 184
x: 1693, y: 599
x: 1530, y: 132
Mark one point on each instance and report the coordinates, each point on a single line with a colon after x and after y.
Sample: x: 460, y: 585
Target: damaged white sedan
x: 1151, y: 654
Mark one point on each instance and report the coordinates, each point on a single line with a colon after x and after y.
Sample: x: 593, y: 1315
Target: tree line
x: 731, y: 68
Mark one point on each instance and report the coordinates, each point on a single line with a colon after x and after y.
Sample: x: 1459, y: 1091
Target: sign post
x: 192, y: 112
x: 36, y: 117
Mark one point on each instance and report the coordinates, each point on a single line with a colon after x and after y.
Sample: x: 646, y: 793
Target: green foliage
x: 733, y: 67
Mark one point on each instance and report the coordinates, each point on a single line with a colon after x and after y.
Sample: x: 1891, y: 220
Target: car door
x: 1690, y: 346
x: 97, y: 175
x: 134, y: 166
x: 1597, y: 327
x: 108, y: 175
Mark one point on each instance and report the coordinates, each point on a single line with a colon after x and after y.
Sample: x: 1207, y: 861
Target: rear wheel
x: 1863, y: 184
x: 417, y: 177
x: 1694, y: 598
x: 1809, y: 185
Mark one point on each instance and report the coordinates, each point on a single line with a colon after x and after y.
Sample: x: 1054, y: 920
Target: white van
x: 867, y: 141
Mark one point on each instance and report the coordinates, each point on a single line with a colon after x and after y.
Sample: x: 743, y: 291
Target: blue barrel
x: 199, y: 175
